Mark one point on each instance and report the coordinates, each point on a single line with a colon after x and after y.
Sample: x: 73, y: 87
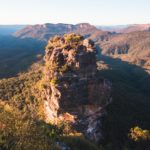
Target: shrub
x: 17, y: 133
x: 71, y: 38
x: 54, y: 81
x: 138, y: 134
x: 64, y: 68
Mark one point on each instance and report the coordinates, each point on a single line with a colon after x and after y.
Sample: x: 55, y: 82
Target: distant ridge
x: 136, y: 27
x: 133, y: 47
x: 125, y: 28
x: 45, y: 31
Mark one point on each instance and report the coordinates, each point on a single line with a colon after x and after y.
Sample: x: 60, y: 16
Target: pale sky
x: 96, y: 12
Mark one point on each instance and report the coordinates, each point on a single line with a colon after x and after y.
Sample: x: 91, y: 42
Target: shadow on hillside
x: 131, y: 99
x: 17, y: 55
x: 134, y: 74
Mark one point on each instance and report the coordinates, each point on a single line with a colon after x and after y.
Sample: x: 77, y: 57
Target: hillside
x: 130, y: 106
x: 16, y: 55
x: 131, y: 47
x: 136, y: 27
x: 125, y: 28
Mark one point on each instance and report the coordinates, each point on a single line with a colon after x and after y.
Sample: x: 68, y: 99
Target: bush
x: 138, y: 134
x: 17, y: 133
x: 71, y: 38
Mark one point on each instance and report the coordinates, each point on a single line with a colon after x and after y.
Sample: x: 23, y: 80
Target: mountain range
x: 126, y: 28
x: 45, y: 31
x: 136, y: 27
x: 132, y: 47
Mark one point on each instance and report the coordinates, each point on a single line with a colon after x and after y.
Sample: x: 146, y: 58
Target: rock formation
x: 71, y: 85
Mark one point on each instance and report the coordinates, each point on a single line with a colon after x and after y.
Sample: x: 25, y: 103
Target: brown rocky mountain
x: 132, y: 47
x: 136, y: 27
x: 125, y: 28
x: 45, y: 31
x: 71, y: 84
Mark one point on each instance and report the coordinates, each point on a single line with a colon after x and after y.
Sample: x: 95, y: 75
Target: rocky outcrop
x: 71, y: 84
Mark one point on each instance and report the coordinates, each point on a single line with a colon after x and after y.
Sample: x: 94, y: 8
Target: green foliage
x: 64, y: 68
x: 20, y: 93
x: 20, y: 113
x: 19, y: 133
x: 56, y: 38
x: 54, y: 81
x: 73, y: 38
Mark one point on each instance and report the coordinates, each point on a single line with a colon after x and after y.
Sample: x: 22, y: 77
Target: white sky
x: 97, y: 12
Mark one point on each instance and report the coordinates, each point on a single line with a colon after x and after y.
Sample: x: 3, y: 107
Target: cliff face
x: 71, y: 85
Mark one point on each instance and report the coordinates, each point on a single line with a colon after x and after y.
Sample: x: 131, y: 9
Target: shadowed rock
x: 71, y: 84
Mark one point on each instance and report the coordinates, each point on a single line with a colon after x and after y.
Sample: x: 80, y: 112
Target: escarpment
x: 71, y: 84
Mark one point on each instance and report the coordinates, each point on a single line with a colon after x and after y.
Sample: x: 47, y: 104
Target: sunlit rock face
x: 71, y: 84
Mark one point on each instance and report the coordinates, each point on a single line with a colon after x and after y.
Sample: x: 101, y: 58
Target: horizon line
x: 25, y: 24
